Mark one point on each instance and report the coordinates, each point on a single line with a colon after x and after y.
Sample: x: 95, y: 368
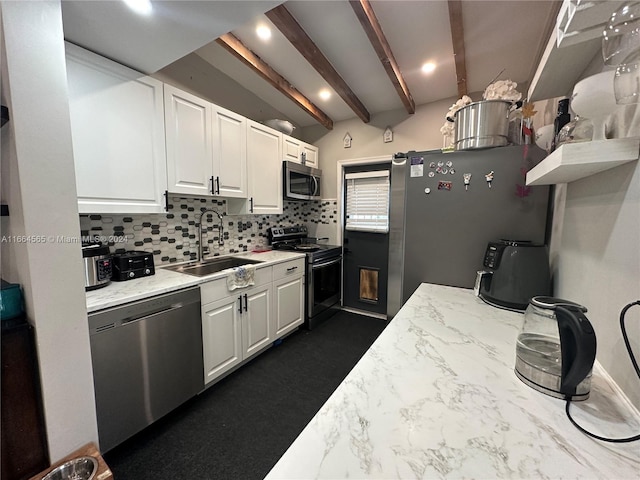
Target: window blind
x: 367, y: 205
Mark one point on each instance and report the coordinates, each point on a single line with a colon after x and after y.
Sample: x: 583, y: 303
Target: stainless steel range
x: 323, y: 272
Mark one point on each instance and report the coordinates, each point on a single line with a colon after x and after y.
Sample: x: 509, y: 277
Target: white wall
x: 595, y: 244
x: 598, y: 262
x: 39, y: 186
x: 420, y: 131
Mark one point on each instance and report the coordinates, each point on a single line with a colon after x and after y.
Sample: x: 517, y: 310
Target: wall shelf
x: 573, y: 161
x: 573, y: 44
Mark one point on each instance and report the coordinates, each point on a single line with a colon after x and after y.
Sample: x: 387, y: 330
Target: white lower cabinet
x: 221, y: 336
x: 288, y: 294
x: 257, y: 332
x: 239, y: 324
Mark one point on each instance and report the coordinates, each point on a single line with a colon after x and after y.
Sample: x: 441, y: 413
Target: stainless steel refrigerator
x: 446, y: 207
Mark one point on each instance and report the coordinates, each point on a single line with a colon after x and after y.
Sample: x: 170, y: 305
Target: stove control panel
x: 287, y: 233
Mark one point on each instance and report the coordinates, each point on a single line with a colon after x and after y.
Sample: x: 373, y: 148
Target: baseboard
x: 380, y: 316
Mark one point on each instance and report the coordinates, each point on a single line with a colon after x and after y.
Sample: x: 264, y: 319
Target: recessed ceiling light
x: 263, y: 32
x: 143, y: 7
x: 428, y: 67
x: 324, y: 94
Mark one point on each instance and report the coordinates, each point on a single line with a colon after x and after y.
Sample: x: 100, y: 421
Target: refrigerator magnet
x: 466, y: 177
x: 489, y: 178
x: 442, y: 185
x: 417, y: 166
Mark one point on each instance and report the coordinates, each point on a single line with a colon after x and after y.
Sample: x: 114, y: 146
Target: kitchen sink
x: 208, y: 267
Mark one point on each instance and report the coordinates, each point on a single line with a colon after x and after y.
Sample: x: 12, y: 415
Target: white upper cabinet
x: 298, y: 151
x: 310, y: 154
x: 206, y: 147
x: 291, y: 148
x: 189, y: 142
x: 229, y: 153
x: 264, y: 162
x: 117, y: 126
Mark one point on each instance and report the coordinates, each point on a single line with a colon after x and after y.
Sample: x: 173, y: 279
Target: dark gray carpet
x: 240, y: 427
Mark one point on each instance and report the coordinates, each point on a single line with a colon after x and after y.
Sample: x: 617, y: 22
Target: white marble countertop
x: 118, y: 293
x: 436, y: 397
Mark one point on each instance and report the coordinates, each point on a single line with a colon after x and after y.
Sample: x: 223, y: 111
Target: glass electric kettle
x: 556, y: 348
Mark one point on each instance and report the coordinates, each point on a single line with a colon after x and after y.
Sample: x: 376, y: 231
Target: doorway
x: 365, y: 237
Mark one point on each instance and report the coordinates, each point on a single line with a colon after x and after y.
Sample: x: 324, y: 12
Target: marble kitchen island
x: 436, y: 397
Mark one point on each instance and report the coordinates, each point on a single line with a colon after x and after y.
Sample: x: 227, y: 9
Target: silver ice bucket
x: 482, y: 125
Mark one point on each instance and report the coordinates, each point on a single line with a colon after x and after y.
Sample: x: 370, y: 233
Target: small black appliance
x: 516, y: 271
x: 132, y: 264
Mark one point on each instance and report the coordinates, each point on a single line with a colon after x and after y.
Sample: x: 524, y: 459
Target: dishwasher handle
x: 150, y: 313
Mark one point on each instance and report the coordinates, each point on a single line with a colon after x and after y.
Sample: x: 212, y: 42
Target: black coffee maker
x: 515, y: 271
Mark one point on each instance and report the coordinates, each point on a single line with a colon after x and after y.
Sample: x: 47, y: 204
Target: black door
x: 366, y: 255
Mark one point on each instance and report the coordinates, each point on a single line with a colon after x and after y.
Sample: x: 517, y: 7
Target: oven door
x: 323, y: 285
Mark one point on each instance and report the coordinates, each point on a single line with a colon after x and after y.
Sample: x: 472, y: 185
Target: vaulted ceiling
x: 368, y: 54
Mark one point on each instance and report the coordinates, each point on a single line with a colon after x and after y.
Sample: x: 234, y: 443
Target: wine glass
x: 626, y: 84
x: 621, y: 36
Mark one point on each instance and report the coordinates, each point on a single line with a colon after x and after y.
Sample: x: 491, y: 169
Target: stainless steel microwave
x: 301, y: 182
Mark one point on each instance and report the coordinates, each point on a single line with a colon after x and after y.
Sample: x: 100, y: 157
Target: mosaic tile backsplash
x: 173, y: 236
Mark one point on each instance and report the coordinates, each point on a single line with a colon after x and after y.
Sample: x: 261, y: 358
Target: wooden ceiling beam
x: 233, y: 45
x: 372, y: 28
x: 291, y: 29
x: 457, y: 38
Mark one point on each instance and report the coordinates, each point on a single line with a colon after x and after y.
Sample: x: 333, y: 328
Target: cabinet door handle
x: 251, y: 205
x: 246, y: 303
x: 213, y: 186
x: 166, y: 200
x: 291, y: 269
x: 218, y: 185
x: 240, y: 301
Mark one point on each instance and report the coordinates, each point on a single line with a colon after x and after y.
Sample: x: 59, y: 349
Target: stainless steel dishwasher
x: 147, y: 360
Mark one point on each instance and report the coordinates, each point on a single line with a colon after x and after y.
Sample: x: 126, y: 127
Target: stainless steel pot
x: 482, y: 125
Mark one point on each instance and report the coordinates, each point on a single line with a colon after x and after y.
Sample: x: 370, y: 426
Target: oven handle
x: 315, y: 266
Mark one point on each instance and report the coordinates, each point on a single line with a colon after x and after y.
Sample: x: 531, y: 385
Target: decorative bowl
x: 594, y: 98
x: 544, y: 137
x: 281, y: 125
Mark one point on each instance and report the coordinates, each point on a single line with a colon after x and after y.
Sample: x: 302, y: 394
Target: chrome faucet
x: 220, y: 232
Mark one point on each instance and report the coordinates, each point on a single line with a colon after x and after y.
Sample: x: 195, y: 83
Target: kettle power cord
x: 637, y: 369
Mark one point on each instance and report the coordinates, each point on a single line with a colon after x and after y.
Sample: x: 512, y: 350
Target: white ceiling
x: 505, y: 34
x: 148, y: 43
